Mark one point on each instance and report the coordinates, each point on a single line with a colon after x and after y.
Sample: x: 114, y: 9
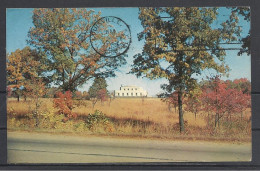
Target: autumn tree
x: 217, y: 96
x: 204, y: 98
x: 181, y: 43
x: 193, y: 102
x: 102, y: 95
x: 63, y: 34
x: 242, y: 84
x: 237, y: 102
x: 64, y: 104
x: 98, y: 90
x: 35, y: 89
x: 170, y: 99
x: 242, y: 94
x: 22, y: 66
x: 222, y: 99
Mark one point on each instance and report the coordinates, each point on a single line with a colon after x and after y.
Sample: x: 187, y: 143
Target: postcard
x: 113, y: 85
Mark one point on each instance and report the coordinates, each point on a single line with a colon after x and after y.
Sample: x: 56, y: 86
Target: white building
x: 130, y: 91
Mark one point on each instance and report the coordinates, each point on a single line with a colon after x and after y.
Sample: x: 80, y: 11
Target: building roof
x: 129, y: 86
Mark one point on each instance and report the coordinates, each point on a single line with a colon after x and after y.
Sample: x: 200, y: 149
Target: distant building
x: 130, y: 91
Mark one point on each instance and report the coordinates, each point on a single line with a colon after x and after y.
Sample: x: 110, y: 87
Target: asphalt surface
x: 47, y: 148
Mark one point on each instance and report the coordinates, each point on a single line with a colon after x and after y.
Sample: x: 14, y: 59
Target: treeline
x: 217, y: 98
x: 97, y: 92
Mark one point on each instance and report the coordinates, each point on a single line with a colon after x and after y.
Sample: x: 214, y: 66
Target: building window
x: 128, y: 89
x: 127, y: 94
x: 135, y: 88
x: 136, y: 94
x: 118, y: 94
x: 132, y: 89
x: 140, y: 94
x: 124, y: 88
x: 122, y: 94
x: 131, y: 94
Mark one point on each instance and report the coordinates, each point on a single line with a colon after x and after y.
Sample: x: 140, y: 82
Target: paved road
x: 47, y: 148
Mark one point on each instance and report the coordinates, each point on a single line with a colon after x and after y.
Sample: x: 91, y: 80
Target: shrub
x: 64, y: 104
x: 50, y: 119
x: 98, y: 122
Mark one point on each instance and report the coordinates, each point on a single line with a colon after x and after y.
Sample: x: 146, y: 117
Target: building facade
x: 130, y: 91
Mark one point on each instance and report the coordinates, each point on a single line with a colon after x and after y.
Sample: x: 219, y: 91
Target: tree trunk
x: 215, y: 120
x: 37, y: 119
x: 181, y: 120
x: 208, y: 119
x: 18, y: 98
x: 218, y: 121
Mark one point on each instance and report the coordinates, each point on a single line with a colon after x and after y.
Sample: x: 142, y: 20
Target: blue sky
x: 19, y: 21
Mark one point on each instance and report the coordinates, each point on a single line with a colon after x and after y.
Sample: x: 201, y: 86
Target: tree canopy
x: 64, y: 36
x: 181, y: 43
x: 246, y: 14
x: 23, y: 66
x: 98, y: 90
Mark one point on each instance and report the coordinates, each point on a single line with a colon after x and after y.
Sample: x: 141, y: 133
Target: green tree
x: 98, y: 90
x: 181, y: 43
x: 245, y: 13
x: 64, y: 35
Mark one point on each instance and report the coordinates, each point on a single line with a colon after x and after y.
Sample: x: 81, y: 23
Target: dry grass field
x: 151, y: 109
x: 149, y: 117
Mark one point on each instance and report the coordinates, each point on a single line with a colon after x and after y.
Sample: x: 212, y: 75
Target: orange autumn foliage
x: 64, y: 104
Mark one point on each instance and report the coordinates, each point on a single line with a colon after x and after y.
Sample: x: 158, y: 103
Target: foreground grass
x: 126, y: 117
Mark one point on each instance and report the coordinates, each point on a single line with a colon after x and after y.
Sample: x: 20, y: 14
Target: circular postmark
x: 110, y: 36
